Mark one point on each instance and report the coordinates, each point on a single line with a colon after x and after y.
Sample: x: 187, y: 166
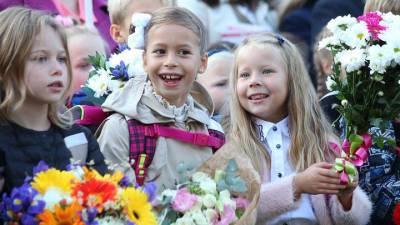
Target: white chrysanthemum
x: 329, y: 83
x: 115, y: 85
x: 390, y: 20
x: 390, y: 35
x: 224, y: 198
x: 108, y: 220
x: 340, y: 24
x: 99, y: 83
x: 329, y: 41
x: 168, y: 193
x: 356, y: 36
x: 53, y: 196
x: 210, y: 214
x: 185, y: 220
x: 209, y: 200
x: 208, y: 185
x: 379, y: 58
x: 199, y: 176
x: 199, y: 218
x: 351, y: 60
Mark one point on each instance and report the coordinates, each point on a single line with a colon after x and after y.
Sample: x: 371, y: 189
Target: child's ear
x: 203, y: 63
x: 115, y: 32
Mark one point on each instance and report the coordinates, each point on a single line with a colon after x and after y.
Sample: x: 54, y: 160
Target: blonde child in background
x: 83, y: 41
x: 121, y: 12
x: 35, y: 76
x: 141, y: 137
x: 215, y: 78
x: 277, y: 123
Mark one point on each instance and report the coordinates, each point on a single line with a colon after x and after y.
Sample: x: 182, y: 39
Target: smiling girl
x: 160, y: 122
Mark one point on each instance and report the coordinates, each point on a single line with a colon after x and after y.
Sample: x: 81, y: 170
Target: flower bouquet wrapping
x: 366, y: 77
x: 78, y: 196
x: 224, y: 191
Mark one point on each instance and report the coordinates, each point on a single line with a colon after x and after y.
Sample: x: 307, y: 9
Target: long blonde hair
x: 383, y: 6
x: 309, y: 129
x: 18, y: 28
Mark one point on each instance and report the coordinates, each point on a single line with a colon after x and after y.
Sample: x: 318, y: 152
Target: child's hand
x: 345, y: 196
x: 319, y: 178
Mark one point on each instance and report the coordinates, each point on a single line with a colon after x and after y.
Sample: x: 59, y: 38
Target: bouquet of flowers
x: 366, y: 74
x: 205, y: 200
x: 76, y: 197
x: 366, y: 77
x: 111, y: 74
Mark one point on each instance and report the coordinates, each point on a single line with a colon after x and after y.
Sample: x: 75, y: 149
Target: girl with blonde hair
x: 277, y: 123
x: 35, y: 75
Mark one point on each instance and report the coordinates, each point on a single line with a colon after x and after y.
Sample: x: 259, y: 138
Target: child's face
x: 141, y: 6
x: 45, y: 74
x: 172, y: 60
x: 80, y: 47
x: 262, y: 85
x: 215, y: 80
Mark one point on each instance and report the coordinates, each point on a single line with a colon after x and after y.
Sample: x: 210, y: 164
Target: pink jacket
x: 277, y: 198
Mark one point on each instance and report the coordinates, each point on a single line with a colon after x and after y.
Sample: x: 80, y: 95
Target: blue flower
x: 21, y: 207
x: 124, y: 182
x: 42, y: 166
x: 120, y: 72
x: 90, y: 216
x: 150, y: 189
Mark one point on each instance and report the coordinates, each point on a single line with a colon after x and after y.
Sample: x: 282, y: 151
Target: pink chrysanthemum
x: 372, y: 19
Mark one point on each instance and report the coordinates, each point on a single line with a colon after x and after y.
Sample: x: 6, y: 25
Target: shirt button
x: 278, y: 146
x: 279, y: 175
x: 274, y: 128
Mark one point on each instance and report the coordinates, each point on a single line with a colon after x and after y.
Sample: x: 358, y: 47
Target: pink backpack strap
x: 88, y: 115
x: 196, y: 138
x: 143, y: 141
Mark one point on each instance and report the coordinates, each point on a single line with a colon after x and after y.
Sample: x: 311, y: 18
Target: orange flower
x: 63, y: 215
x: 95, y: 193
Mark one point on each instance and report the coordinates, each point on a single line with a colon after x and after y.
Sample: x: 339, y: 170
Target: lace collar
x: 179, y: 113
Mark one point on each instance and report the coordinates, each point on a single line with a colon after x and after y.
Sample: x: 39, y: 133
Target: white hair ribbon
x: 140, y: 21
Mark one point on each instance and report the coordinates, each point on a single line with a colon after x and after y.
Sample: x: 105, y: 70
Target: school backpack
x: 143, y: 140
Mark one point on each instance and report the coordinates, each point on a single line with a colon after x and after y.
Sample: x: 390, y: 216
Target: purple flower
x: 90, y: 216
x: 27, y: 219
x: 228, y: 216
x: 124, y: 182
x: 150, y: 190
x: 42, y: 166
x: 120, y: 72
x: 123, y: 47
x: 21, y: 207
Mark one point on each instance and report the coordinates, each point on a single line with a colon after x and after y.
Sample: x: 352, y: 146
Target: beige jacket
x: 134, y: 101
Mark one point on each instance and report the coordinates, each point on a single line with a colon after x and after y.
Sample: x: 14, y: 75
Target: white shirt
x: 276, y: 139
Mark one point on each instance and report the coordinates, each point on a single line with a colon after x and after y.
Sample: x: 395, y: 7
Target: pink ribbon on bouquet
x: 353, y: 152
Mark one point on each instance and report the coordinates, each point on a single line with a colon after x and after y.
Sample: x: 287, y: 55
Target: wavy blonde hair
x: 382, y: 6
x: 309, y: 129
x: 18, y: 28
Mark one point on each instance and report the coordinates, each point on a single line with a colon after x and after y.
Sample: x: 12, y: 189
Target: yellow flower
x: 93, y: 174
x: 137, y: 207
x: 63, y: 180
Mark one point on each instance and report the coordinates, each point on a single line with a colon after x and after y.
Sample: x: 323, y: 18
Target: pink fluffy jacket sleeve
x: 278, y: 197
